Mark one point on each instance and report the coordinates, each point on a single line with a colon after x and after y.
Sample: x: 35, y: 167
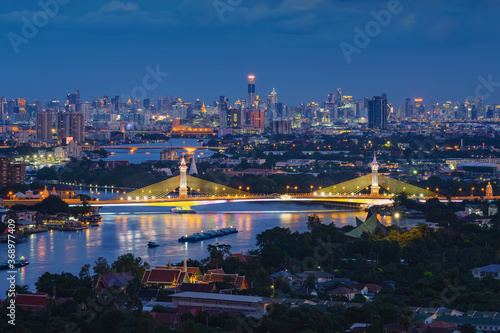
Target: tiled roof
x: 34, y: 302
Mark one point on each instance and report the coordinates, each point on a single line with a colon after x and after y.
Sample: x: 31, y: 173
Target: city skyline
x: 294, y: 46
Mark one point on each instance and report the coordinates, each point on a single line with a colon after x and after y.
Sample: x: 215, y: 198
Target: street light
x: 397, y: 226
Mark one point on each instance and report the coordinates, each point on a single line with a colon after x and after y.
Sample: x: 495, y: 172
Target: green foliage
x: 52, y: 205
x: 130, y: 263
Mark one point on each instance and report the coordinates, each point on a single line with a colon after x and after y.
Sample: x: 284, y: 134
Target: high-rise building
x: 73, y: 102
x: 251, y: 91
x: 272, y: 100
x: 408, y: 108
x: 44, y: 126
x: 3, y: 105
x: 11, y: 173
x: 70, y: 127
x: 86, y: 110
x: 235, y: 118
x: 280, y: 110
x: 21, y: 106
x: 223, y: 109
x: 377, y: 113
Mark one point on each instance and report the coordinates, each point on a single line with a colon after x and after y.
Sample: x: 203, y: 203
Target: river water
x: 128, y: 230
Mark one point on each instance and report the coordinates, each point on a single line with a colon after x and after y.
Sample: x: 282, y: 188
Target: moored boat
x: 18, y: 263
x: 152, y: 244
x: 208, y: 235
x: 180, y: 210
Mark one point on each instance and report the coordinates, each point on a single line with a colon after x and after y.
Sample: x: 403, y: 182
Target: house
x: 167, y: 278
x: 358, y: 288
x: 343, y: 292
x: 490, y: 270
x: 169, y: 319
x: 239, y: 282
x: 35, y: 302
x: 28, y: 195
x: 241, y: 257
x: 319, y: 276
x: 282, y: 275
x: 62, y: 191
x: 116, y: 280
x: 373, y: 288
x: 247, y: 305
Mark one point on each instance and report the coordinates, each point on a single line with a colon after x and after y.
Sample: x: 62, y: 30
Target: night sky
x: 427, y: 49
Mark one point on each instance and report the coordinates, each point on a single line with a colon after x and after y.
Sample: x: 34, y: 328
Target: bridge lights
x: 136, y: 198
x: 129, y: 198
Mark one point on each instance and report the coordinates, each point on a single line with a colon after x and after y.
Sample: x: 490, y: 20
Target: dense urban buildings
x: 250, y: 166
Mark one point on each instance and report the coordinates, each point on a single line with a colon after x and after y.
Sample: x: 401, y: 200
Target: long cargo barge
x: 208, y: 235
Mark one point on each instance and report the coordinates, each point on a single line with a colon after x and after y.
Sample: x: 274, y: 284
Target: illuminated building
x: 251, y: 91
x: 184, y: 130
x: 11, y: 173
x: 44, y: 126
x: 377, y: 113
x: 70, y: 126
x: 73, y: 102
x: 223, y: 108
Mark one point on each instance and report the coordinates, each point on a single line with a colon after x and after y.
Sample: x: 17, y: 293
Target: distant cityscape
x: 42, y: 122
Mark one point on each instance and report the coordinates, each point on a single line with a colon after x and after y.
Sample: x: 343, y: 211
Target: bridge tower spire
x: 489, y: 190
x: 193, y: 170
x: 375, y: 188
x: 183, y: 190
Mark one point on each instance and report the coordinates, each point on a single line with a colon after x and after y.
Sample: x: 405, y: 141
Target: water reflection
x: 129, y: 231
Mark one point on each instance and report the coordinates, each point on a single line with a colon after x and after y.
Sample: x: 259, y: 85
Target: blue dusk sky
x: 441, y: 49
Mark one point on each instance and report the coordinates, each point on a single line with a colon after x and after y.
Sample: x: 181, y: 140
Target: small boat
x: 208, y: 235
x: 18, y: 263
x: 152, y: 244
x: 179, y: 210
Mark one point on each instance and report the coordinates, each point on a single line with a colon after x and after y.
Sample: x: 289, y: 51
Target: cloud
x: 114, y: 6
x: 407, y: 21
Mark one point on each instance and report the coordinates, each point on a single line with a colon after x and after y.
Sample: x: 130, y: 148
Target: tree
x: 310, y: 282
x: 101, y: 266
x: 130, y: 263
x: 84, y: 275
x: 216, y: 254
x: 52, y: 205
x: 313, y: 221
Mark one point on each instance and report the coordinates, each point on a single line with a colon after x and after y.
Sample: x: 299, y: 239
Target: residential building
x: 248, y: 305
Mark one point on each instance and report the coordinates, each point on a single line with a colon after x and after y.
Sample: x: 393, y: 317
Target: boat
x: 208, y: 235
x: 18, y: 263
x: 179, y: 210
x: 152, y: 244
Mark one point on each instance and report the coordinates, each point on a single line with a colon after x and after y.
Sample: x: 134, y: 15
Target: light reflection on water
x: 128, y: 229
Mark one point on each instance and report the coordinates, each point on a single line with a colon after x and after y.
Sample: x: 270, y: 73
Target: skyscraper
x: 3, y: 105
x: 44, y: 126
x: 251, y: 91
x: 223, y: 108
x: 70, y: 127
x: 408, y: 108
x: 272, y: 99
x: 73, y: 102
x: 377, y: 113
